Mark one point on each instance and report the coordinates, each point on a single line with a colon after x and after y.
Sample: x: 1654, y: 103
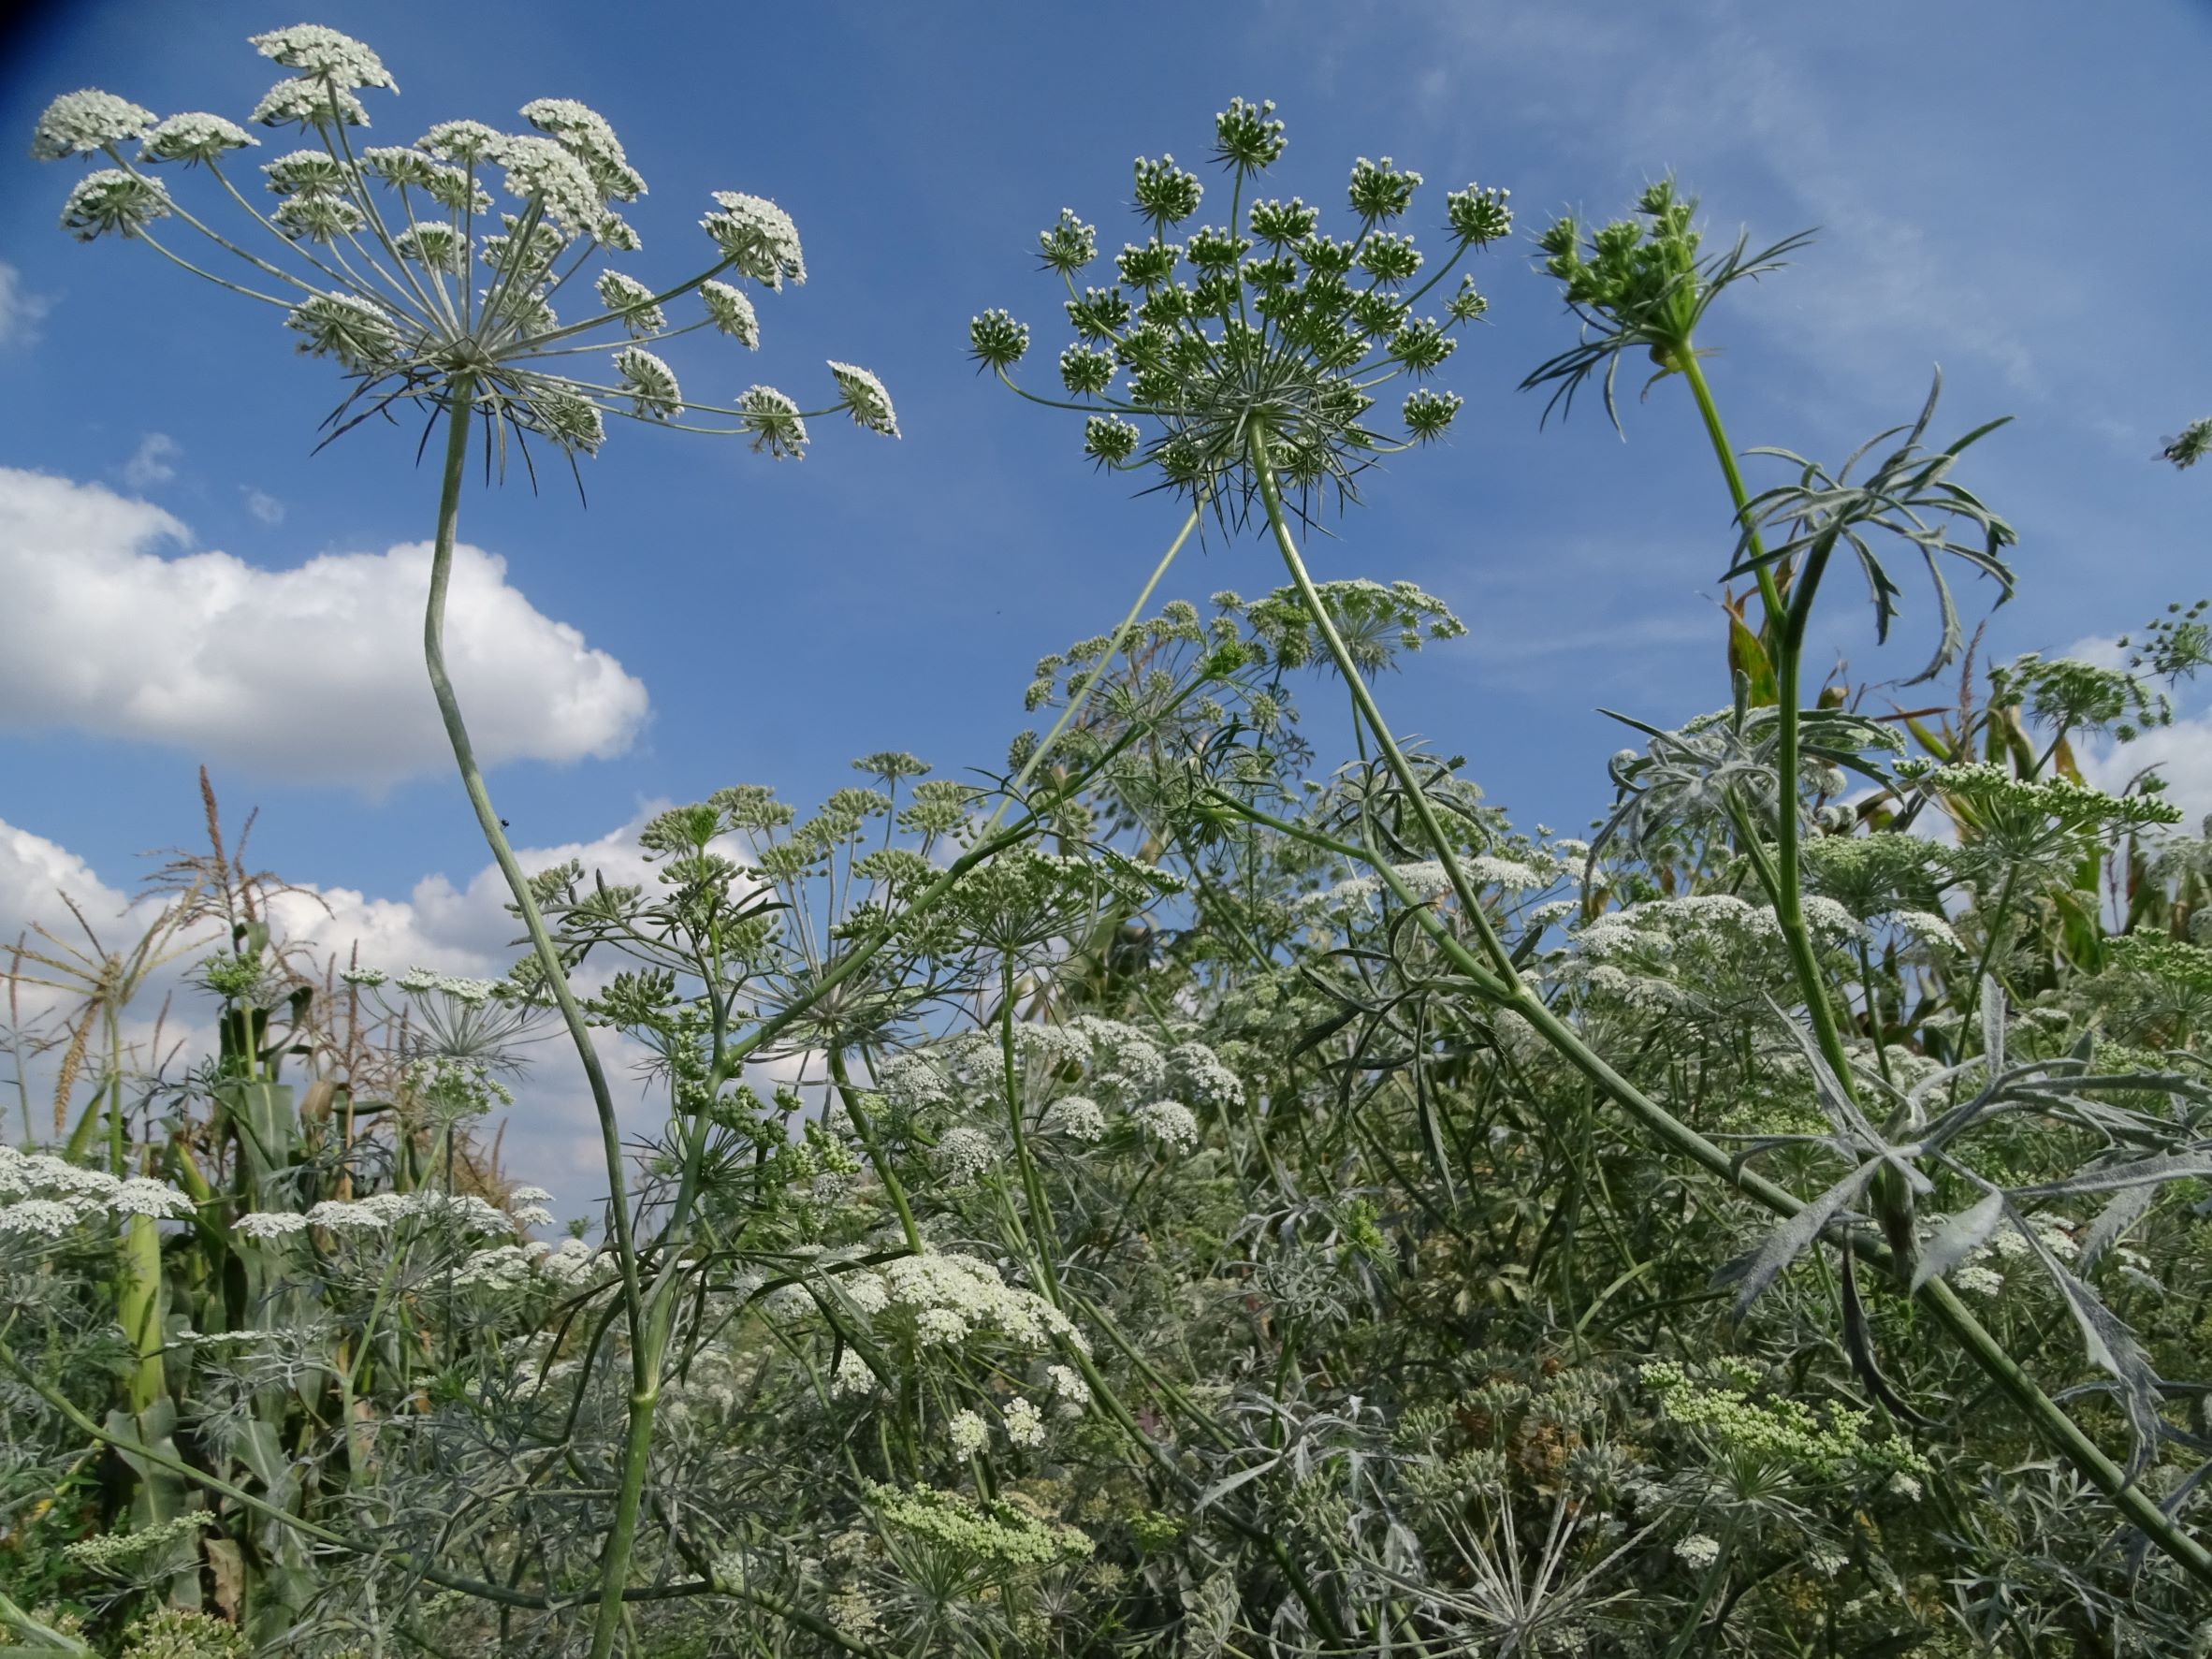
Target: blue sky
x: 2011, y: 189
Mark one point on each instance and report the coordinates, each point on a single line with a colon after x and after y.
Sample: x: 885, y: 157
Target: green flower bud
x: 995, y: 341
x: 1166, y: 194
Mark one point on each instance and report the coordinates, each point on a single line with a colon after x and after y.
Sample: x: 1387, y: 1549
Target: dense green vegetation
x: 1223, y: 1199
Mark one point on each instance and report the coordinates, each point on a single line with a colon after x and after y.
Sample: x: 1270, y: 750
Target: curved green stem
x: 615, y: 1562
x: 1105, y: 661
x: 1364, y: 699
x: 1040, y: 1229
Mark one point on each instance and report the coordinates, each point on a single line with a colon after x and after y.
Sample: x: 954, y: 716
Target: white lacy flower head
x: 864, y: 1291
x: 633, y: 301
x: 1126, y: 1065
x: 1825, y: 915
x: 545, y: 171
x: 309, y: 103
x: 951, y: 1297
x: 503, y: 1267
x: 341, y: 1217
x: 530, y: 1195
x: 463, y: 1210
x: 86, y: 122
x: 852, y: 1377
x: 1924, y: 928
x: 1200, y: 1071
x: 1067, y: 1385
x: 141, y: 1195
x: 46, y: 1217
x: 1698, y: 1551
x: 110, y: 200
x: 1025, y: 1425
x: 1350, y: 893
x: 758, y: 238
x: 587, y: 135
x: 862, y: 397
x: 1427, y: 880
x: 1077, y: 1117
x: 967, y: 1432
x: 572, y: 1262
x: 964, y: 1154
x: 774, y: 421
x: 194, y: 138
x: 650, y: 383
x: 403, y: 315
x: 312, y: 49
x: 1169, y: 1123
x: 1508, y: 874
x: 527, y: 1215
x: 1982, y: 1281
x: 731, y: 313
x: 270, y: 1224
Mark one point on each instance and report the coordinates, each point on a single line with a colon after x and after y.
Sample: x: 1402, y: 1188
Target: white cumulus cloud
x: 315, y: 670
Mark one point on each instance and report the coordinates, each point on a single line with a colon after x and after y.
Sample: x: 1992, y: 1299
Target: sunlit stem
x: 1091, y: 681
x: 210, y: 276
x: 1371, y: 713
x: 1041, y: 1234
x: 615, y: 1562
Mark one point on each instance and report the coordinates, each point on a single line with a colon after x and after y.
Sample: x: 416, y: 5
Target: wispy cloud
x: 20, y: 311
x: 1753, y: 114
x: 152, y: 462
x: 262, y: 505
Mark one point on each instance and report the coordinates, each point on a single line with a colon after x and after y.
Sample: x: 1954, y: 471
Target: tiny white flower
x: 1169, y: 1123
x: 1023, y: 1425
x: 1698, y: 1551
x: 967, y: 1432
x: 269, y: 1224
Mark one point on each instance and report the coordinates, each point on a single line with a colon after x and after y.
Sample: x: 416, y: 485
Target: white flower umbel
x: 1025, y: 1425
x: 367, y: 254
x: 967, y: 1432
x: 1169, y: 1123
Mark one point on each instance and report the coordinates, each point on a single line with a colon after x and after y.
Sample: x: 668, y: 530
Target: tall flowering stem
x: 1642, y: 283
x: 373, y: 263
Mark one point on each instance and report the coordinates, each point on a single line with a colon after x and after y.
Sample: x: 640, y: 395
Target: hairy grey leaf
x: 2146, y: 1171
x: 2111, y: 1346
x: 1959, y: 1237
x: 1758, y: 1268
x: 2122, y: 1210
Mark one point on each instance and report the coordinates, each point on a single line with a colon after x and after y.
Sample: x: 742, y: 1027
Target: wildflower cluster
x: 46, y: 1197
x: 1263, y: 324
x: 372, y: 254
